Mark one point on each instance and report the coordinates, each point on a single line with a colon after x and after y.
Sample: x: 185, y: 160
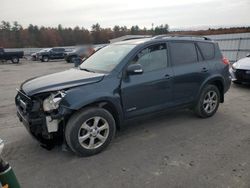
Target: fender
x: 211, y: 79
x: 74, y: 100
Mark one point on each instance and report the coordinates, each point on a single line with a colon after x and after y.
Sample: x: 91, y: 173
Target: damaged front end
x: 43, y: 117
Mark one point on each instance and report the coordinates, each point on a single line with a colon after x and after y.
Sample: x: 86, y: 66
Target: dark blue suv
x: 83, y: 107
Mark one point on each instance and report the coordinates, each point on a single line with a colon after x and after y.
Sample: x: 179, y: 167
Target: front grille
x: 29, y: 111
x: 24, y: 102
x: 28, y: 107
x: 242, y: 75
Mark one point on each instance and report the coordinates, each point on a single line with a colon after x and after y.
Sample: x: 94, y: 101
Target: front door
x: 151, y: 90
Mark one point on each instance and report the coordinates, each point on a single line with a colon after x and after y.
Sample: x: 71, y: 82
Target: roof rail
x: 191, y: 36
x: 133, y: 38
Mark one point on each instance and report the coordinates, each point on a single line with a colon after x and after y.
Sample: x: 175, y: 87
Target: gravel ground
x: 168, y: 150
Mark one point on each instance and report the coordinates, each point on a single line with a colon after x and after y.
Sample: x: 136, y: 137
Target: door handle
x: 204, y: 69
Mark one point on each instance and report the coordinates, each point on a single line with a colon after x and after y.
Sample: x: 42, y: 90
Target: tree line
x: 15, y: 35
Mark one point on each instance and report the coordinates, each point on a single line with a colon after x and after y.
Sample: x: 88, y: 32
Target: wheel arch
x: 108, y: 104
x: 69, y: 57
x: 46, y: 55
x: 110, y: 107
x: 218, y: 81
x: 15, y: 57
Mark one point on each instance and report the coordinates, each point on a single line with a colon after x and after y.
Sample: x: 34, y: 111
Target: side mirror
x: 134, y: 69
x: 248, y: 55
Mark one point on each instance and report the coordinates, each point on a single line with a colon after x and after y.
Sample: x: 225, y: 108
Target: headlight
x: 52, y: 102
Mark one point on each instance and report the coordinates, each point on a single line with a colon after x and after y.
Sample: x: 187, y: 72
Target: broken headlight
x: 52, y: 102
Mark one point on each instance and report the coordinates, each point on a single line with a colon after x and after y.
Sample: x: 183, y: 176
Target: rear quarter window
x: 207, y: 50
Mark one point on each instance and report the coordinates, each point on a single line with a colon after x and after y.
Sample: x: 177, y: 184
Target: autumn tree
x: 13, y: 35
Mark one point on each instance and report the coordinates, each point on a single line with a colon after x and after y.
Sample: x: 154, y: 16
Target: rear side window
x: 183, y: 53
x: 207, y: 49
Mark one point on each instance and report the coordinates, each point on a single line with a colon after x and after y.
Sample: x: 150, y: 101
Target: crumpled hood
x: 59, y: 81
x: 243, y: 63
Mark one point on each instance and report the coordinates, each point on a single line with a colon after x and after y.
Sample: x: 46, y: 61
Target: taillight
x: 225, y: 61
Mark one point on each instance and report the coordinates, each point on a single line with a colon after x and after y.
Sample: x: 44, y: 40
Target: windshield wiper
x: 87, y: 70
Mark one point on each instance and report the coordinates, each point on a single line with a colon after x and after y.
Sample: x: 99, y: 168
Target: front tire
x: 90, y: 131
x: 72, y: 59
x: 208, y: 102
x: 15, y: 60
x: 45, y: 59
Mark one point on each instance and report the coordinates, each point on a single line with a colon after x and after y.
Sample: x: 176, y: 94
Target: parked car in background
x: 79, y: 52
x: 50, y: 54
x: 34, y: 56
x: 91, y: 51
x: 240, y: 70
x: 84, y: 107
x: 14, y: 56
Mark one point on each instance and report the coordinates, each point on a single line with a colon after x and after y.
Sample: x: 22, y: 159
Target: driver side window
x: 152, y: 58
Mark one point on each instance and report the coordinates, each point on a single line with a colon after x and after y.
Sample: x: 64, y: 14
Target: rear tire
x: 90, y: 131
x: 208, y: 102
x: 15, y: 60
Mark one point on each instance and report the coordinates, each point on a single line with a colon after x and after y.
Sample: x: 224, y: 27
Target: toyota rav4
x: 83, y: 107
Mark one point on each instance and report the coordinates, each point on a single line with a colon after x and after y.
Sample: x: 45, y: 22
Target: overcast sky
x: 176, y: 13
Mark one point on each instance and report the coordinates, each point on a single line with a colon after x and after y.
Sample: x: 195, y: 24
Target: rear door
x: 151, y: 90
x: 189, y: 70
x: 52, y: 53
x: 60, y: 54
x: 56, y: 53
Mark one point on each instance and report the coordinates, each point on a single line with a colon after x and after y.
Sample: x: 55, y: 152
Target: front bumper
x: 40, y: 57
x: 35, y: 126
x: 240, y: 75
x: 40, y: 125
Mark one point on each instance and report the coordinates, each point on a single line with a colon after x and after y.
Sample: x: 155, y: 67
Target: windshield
x: 78, y: 49
x: 45, y: 50
x: 106, y: 59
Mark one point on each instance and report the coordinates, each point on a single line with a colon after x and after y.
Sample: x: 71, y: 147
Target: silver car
x: 240, y: 70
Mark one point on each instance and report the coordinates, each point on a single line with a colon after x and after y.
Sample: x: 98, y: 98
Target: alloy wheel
x: 15, y: 60
x: 93, y: 133
x: 210, y: 101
